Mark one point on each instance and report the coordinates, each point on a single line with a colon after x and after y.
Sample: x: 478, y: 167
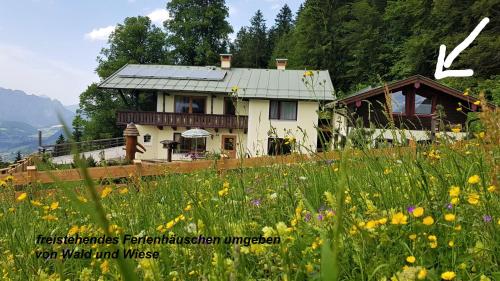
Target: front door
x: 229, y: 146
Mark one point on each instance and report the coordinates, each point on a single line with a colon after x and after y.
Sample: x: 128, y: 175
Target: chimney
x: 225, y: 61
x: 281, y: 63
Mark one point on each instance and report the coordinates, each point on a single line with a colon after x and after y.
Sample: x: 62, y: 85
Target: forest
x: 360, y: 43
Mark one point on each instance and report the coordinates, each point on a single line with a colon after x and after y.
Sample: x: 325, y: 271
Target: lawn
x: 428, y: 214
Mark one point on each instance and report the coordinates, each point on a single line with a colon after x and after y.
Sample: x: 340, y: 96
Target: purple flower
x: 410, y: 209
x: 320, y: 217
x: 449, y: 206
x: 487, y: 218
x: 256, y: 202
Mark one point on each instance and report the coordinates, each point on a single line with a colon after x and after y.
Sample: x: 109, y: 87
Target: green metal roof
x: 252, y: 83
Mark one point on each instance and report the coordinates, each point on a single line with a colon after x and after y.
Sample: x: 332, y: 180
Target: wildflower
x: 170, y: 224
x: 234, y: 89
x: 387, y: 171
x: 223, y: 192
x: 188, y: 207
x: 455, y: 130
x: 487, y: 218
x: 422, y: 274
x: 73, y: 230
x: 123, y: 191
x: 309, y: 267
x: 466, y: 92
x: 106, y: 191
x: 459, y: 109
x: 458, y: 227
x: 104, y: 267
x: 451, y: 243
x: 411, y: 259
x: 492, y: 188
x: 50, y: 218
x: 474, y: 179
x: 448, y: 275
x: 54, y: 205
x: 382, y: 221
x: 449, y: 206
x: 244, y: 250
x: 418, y: 212
x: 454, y: 191
x: 428, y: 220
x: 473, y: 198
x: 399, y: 218
x: 455, y: 200
x: 21, y: 197
x: 410, y: 209
x: 36, y: 203
x: 449, y: 217
x: 308, y: 73
x: 477, y: 102
x: 268, y: 231
x: 484, y: 278
x: 3, y: 183
x: 412, y: 236
x: 371, y: 225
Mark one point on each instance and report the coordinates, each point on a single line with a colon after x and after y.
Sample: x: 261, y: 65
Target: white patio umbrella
x: 195, y: 134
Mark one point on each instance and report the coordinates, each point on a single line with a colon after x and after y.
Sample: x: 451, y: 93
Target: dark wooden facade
x: 182, y: 119
x: 370, y: 106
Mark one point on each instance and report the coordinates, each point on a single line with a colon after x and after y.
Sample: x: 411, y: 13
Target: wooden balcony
x: 171, y: 119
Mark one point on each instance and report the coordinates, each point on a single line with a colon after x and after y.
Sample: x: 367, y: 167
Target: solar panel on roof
x: 173, y: 73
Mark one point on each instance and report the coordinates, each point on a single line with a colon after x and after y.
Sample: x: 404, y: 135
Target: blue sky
x: 49, y: 47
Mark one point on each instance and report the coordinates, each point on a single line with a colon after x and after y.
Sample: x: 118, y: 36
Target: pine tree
x: 279, y: 34
x: 198, y: 31
x: 251, y: 47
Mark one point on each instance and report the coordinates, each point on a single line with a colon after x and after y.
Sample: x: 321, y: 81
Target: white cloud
x: 26, y: 70
x: 158, y: 16
x: 100, y: 34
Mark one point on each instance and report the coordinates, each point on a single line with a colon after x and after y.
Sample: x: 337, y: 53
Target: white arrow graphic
x: 442, y: 62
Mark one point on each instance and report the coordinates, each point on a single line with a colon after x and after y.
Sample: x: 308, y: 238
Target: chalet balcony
x: 171, y: 119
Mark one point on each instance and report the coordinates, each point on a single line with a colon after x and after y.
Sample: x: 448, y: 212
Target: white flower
x: 302, y: 178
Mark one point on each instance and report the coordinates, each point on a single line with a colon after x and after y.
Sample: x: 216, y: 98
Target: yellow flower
x: 382, y: 221
x: 3, y: 183
x: 371, y: 224
x: 484, y: 278
x: 308, y: 73
x: 106, y: 191
x: 54, y: 205
x: 413, y: 236
x: 428, y: 220
x: 234, y: 89
x: 473, y: 198
x: 459, y: 109
x: 456, y: 130
x: 188, y: 207
x: 104, y: 267
x: 21, y: 197
x: 123, y: 190
x: 225, y: 184
x: 477, y: 102
x: 399, y: 218
x: 454, y: 191
x: 387, y: 171
x: 433, y: 245
x: 449, y: 217
x: 309, y: 267
x: 73, y: 230
x: 455, y: 200
x: 223, y: 192
x: 50, y: 218
x: 418, y: 212
x: 411, y: 259
x: 458, y: 227
x: 474, y: 179
x: 448, y: 275
x: 422, y: 274
x: 451, y: 243
x: 170, y: 224
x: 268, y: 231
x: 492, y: 188
x: 36, y: 203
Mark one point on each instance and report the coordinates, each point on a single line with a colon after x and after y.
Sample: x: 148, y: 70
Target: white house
x: 249, y: 112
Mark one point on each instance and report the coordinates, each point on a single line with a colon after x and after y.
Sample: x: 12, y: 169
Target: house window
x: 423, y: 105
x: 187, y: 145
x: 278, y: 146
x: 283, y: 110
x: 147, y: 138
x: 229, y: 108
x: 185, y: 104
x: 398, y: 102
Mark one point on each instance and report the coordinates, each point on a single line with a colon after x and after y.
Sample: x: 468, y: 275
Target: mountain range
x: 22, y: 115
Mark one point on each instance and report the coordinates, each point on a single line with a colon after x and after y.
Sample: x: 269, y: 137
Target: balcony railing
x: 182, y: 119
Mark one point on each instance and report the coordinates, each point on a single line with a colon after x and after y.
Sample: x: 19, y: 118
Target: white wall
x: 218, y: 103
x: 260, y: 127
